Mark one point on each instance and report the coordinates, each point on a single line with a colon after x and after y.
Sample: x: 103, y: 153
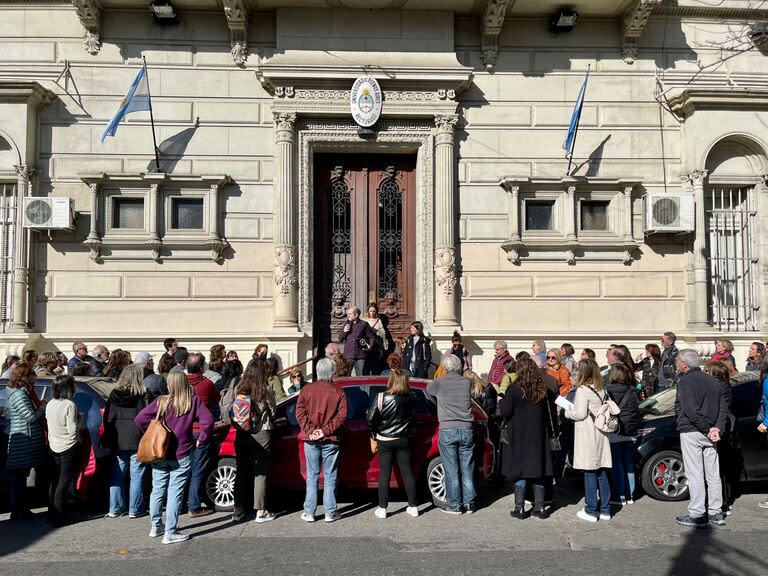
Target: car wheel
x: 220, y: 485
x: 663, y: 477
x: 436, y: 482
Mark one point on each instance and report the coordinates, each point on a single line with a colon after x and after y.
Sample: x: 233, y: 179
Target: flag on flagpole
x: 136, y: 100
x: 573, y: 127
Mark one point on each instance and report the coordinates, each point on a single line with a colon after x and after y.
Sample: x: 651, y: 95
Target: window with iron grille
x: 7, y: 246
x: 732, y: 258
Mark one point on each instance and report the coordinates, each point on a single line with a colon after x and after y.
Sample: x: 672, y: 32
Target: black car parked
x: 660, y: 460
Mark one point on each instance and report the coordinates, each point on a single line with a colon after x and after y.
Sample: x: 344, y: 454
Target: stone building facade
x: 235, y: 237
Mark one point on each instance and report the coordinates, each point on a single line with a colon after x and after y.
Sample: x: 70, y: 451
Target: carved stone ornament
x: 155, y: 246
x: 285, y: 120
x: 285, y: 268
x: 445, y: 269
x: 696, y: 177
x: 492, y: 22
x: 236, y: 12
x: 390, y: 303
x: 513, y: 250
x: 217, y: 247
x: 635, y: 20
x: 89, y: 13
x: 338, y: 310
x: 446, y: 122
x: 570, y: 253
x: 94, y: 248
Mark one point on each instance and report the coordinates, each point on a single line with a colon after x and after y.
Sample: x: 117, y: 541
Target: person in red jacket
x: 496, y: 373
x: 321, y: 410
x: 201, y: 456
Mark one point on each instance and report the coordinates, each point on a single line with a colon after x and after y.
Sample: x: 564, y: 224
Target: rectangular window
x: 539, y: 214
x: 594, y: 215
x: 187, y: 213
x: 128, y: 213
x: 7, y: 249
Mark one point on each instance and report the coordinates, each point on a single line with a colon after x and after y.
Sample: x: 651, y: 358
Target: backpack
x: 607, y: 417
x: 241, y: 413
x: 227, y: 399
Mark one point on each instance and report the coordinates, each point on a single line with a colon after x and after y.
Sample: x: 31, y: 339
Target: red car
x: 359, y: 467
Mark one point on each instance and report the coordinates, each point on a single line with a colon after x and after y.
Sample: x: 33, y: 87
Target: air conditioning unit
x: 669, y: 213
x: 51, y: 213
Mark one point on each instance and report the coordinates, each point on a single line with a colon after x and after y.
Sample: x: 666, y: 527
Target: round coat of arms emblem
x: 365, y: 101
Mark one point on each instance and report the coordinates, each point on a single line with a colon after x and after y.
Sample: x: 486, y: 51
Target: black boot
x: 538, y: 502
x: 519, y: 511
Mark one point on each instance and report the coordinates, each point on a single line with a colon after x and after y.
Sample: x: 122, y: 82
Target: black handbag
x: 554, y: 440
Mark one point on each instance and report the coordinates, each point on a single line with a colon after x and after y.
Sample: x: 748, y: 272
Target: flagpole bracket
x: 89, y: 14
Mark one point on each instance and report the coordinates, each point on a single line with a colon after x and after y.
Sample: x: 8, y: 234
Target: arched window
x: 733, y: 249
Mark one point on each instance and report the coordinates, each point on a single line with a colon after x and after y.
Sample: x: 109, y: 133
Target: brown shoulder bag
x: 153, y: 445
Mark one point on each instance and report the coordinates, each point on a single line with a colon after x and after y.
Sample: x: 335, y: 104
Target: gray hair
x: 541, y: 344
x: 355, y: 309
x: 325, y: 369
x: 689, y: 357
x: 451, y: 363
x: 501, y: 344
x: 671, y: 336
x: 331, y: 348
x: 142, y: 358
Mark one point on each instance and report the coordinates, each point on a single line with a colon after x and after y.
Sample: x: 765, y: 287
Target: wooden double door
x: 364, y: 240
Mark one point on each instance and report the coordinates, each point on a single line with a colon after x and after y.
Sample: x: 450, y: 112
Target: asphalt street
x: 642, y: 538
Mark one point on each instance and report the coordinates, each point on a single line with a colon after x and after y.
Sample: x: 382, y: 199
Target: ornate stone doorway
x: 364, y: 240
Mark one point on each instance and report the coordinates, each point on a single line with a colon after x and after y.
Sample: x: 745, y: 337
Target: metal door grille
x: 7, y: 248
x: 732, y: 258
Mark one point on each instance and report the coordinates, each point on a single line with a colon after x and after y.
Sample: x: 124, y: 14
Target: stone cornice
x: 25, y: 91
x: 492, y: 22
x: 512, y: 181
x: 685, y: 101
x: 668, y: 8
x: 634, y: 22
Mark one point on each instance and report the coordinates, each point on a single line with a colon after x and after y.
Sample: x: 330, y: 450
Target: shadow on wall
x: 172, y: 149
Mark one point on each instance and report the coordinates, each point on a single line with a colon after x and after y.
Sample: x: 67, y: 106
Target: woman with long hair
x: 756, y: 357
x: 273, y: 379
x: 178, y: 410
x: 381, y: 346
x: 390, y: 420
x: 482, y: 393
x: 8, y: 364
x: 252, y: 417
x: 25, y: 436
x: 63, y: 442
x: 729, y: 447
x: 47, y: 364
x: 621, y: 388
x: 297, y: 381
x: 591, y: 448
x: 417, y: 355
x: 215, y: 369
x: 649, y: 364
x: 166, y: 363
x: 118, y: 360
x: 530, y: 422
x: 121, y: 437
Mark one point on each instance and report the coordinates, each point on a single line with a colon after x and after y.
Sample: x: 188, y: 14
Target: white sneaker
x: 307, y: 517
x: 630, y: 501
x: 114, y: 514
x: 175, y: 537
x: 380, y: 512
x: 412, y: 511
x: 268, y: 517
x: 605, y: 516
x: 582, y: 514
x: 156, y: 531
x: 332, y: 517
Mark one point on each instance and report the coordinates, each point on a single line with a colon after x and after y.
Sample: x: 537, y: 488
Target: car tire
x: 220, y: 485
x: 663, y: 477
x: 436, y: 482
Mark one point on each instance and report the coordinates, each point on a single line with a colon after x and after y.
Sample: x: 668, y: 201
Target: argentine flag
x: 136, y: 100
x: 570, y: 139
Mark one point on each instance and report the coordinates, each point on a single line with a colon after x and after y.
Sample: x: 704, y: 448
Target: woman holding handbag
x: 591, y: 448
x: 417, y: 355
x: 623, y: 390
x: 121, y: 437
x: 375, y: 358
x: 390, y: 419
x: 527, y: 436
x: 252, y: 414
x: 177, y: 412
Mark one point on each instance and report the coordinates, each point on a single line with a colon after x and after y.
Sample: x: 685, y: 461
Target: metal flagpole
x: 576, y: 131
x: 151, y: 116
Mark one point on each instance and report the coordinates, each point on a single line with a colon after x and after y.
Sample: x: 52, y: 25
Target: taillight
x: 645, y: 431
x: 100, y: 433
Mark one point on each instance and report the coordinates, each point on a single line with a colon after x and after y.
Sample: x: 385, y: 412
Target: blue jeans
x: 201, y: 461
x: 327, y: 454
x: 457, y: 452
x: 125, y: 463
x: 168, y: 476
x: 591, y: 479
x: 623, y: 456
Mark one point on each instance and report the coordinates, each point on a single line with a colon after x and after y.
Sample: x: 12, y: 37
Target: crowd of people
x: 538, y: 403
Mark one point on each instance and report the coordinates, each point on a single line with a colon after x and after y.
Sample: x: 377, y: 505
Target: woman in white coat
x: 591, y: 448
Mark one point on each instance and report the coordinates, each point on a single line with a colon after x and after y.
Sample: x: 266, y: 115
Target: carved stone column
x: 93, y: 241
x: 155, y: 243
x: 698, y: 304
x: 514, y: 244
x: 571, y: 242
x: 20, y: 251
x: 285, y: 299
x: 445, y: 229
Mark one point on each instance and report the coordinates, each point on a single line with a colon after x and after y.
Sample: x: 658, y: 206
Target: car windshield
x: 659, y: 404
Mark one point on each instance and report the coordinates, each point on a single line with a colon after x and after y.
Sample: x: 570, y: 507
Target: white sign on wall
x: 365, y: 101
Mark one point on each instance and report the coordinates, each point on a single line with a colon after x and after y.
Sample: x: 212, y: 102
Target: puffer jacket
x: 120, y: 430
x: 629, y: 417
x: 394, y: 420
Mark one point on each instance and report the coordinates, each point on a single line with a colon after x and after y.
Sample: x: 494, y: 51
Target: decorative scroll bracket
x: 236, y: 12
x: 635, y: 20
x: 89, y: 13
x: 492, y: 22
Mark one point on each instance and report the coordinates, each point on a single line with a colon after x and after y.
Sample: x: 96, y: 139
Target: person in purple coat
x: 354, y: 334
x: 179, y: 410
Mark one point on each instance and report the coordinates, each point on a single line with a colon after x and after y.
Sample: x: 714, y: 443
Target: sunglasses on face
x: 551, y: 357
